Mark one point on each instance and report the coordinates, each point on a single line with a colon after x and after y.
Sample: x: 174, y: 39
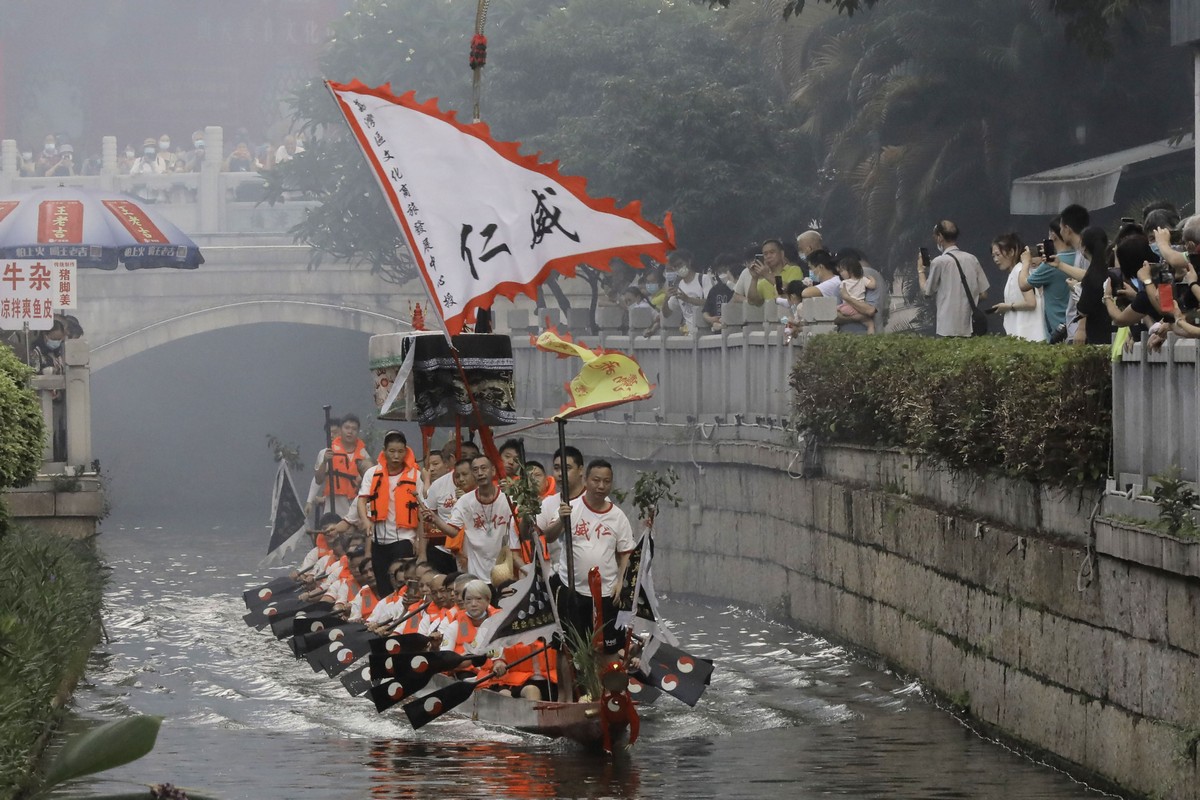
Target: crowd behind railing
x: 157, y: 156
x: 1075, y: 285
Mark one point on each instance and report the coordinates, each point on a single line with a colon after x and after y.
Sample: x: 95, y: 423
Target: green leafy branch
x: 651, y: 490
x: 283, y: 451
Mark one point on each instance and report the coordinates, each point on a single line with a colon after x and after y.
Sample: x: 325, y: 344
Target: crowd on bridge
x: 431, y: 547
x: 156, y: 155
x: 1076, y: 285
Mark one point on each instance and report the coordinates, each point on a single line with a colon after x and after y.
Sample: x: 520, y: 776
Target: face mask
x: 198, y: 144
x: 651, y: 287
x: 53, y: 344
x: 164, y: 144
x: 1155, y: 248
x: 130, y: 154
x: 50, y: 149
x: 148, y: 152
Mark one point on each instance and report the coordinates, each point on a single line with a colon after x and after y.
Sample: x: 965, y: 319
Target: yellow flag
x: 608, y: 378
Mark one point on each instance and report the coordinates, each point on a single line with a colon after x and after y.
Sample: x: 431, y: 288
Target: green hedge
x: 49, y: 602
x: 987, y: 405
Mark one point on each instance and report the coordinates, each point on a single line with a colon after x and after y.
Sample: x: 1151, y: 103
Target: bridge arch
x: 247, y: 312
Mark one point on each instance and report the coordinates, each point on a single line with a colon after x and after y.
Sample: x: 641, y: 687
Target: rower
x: 388, y: 506
x: 600, y: 536
x: 482, y: 522
x: 347, y: 458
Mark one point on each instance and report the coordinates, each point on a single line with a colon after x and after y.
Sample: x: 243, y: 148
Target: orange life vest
x: 404, y: 499
x: 369, y: 601
x: 345, y: 468
x: 540, y: 667
x: 551, y: 487
x: 467, y: 630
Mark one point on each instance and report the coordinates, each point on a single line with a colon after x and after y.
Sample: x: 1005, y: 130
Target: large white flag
x: 481, y: 220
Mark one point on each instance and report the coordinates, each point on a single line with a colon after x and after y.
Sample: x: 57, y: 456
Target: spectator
x: 955, y: 279
x: 854, y: 286
x: 27, y: 167
x: 726, y: 271
x: 1094, y: 325
x: 126, y: 159
x: 793, y: 319
x: 1134, y: 258
x: 196, y: 157
x: 49, y: 155
x: 240, y: 160
x: 828, y: 282
x: 64, y: 165
x: 741, y: 289
x: 164, y: 152
x: 1022, y: 309
x: 772, y: 271
x: 1040, y: 274
x: 288, y: 150
x: 871, y: 306
x: 149, y: 162
x: 806, y: 244
x: 45, y: 354
x: 687, y: 292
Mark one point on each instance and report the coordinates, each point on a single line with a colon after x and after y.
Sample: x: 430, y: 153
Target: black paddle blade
x: 381, y: 666
x: 315, y: 623
x: 316, y: 639
x: 429, y: 707
x: 387, y: 694
x: 400, y: 643
x: 357, y: 681
x: 261, y: 595
x: 439, y: 661
x: 643, y: 692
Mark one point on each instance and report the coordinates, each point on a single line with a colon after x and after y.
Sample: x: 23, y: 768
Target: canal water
x: 788, y: 715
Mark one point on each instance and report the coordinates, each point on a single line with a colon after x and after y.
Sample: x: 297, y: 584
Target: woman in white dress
x: 1022, y: 311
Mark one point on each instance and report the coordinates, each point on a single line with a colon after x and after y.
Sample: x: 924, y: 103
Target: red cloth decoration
x: 478, y: 51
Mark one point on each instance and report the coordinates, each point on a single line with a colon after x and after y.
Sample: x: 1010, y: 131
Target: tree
x: 925, y: 113
x: 1094, y: 24
x: 646, y: 98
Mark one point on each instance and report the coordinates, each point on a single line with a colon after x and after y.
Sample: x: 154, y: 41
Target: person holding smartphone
x: 940, y: 278
x: 773, y: 263
x: 689, y: 289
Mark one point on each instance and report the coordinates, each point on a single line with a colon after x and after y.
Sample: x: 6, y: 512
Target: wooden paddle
x: 431, y: 706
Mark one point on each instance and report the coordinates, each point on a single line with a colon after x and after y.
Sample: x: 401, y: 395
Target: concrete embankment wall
x: 1080, y: 640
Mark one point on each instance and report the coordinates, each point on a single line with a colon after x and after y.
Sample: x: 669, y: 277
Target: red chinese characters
x: 60, y: 222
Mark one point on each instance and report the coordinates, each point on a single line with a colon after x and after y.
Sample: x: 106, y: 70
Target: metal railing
x: 740, y: 374
x: 1156, y: 406
x: 203, y: 202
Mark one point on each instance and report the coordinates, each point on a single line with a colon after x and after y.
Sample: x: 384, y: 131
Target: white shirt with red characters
x: 441, y: 496
x: 597, y: 537
x: 488, y: 527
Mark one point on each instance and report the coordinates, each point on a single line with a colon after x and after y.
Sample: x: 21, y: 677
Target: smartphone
x: 779, y: 285
x: 991, y: 310
x: 672, y: 278
x: 1194, y: 259
x: 924, y: 257
x: 1046, y: 249
x: 758, y: 256
x: 1164, y: 279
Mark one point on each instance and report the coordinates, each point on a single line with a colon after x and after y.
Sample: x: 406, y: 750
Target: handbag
x: 979, y: 320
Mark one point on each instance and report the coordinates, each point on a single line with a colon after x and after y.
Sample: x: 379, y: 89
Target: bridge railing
x: 207, y: 201
x: 737, y: 376
x: 1156, y: 404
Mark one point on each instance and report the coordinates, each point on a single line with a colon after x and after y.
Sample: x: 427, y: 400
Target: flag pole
x: 566, y: 671
x: 330, y: 504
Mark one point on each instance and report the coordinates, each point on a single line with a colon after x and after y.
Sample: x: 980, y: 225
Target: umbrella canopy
x: 96, y: 228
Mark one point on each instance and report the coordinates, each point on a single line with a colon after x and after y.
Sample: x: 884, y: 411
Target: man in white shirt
x: 389, y: 507
x: 829, y: 283
x: 688, y: 291
x: 600, y: 536
x: 552, y: 505
x: 484, y: 518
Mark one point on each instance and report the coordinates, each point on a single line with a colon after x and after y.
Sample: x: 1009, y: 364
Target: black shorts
x: 577, y: 611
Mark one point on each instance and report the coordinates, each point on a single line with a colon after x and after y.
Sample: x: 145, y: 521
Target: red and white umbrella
x: 96, y: 228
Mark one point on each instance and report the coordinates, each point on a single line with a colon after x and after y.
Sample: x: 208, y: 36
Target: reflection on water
x: 788, y: 715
